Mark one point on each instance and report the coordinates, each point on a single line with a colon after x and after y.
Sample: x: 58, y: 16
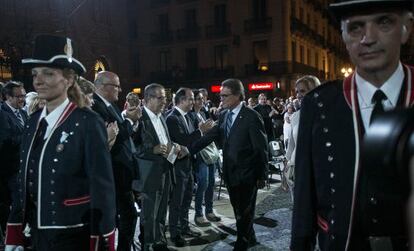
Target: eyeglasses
x: 225, y: 95
x: 114, y: 85
x: 20, y: 96
x: 160, y: 97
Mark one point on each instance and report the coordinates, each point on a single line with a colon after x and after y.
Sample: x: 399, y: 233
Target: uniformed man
x: 65, y: 182
x: 347, y: 205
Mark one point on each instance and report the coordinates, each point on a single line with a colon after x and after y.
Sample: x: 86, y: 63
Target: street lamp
x: 346, y: 71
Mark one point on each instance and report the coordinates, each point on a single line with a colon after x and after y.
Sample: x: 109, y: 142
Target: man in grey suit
x: 153, y: 146
x: 241, y: 134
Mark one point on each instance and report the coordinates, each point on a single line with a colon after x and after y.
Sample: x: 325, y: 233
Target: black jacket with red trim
x: 76, y: 185
x: 328, y: 175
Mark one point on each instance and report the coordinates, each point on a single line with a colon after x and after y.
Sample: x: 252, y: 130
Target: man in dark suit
x: 153, y: 146
x: 124, y: 167
x: 240, y: 131
x: 346, y: 205
x: 15, y: 120
x: 182, y: 131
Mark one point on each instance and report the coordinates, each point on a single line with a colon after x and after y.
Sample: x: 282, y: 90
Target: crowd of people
x: 75, y: 166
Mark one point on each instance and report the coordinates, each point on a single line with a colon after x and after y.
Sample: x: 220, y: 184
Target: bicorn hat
x: 343, y: 8
x: 54, y: 51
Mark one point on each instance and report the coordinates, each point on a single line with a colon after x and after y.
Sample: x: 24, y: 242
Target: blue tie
x: 228, y: 123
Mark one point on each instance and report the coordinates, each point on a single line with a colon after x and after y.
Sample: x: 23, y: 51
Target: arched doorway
x: 101, y: 65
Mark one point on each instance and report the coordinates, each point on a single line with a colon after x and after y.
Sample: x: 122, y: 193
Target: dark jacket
x: 75, y: 184
x: 328, y: 173
x: 245, y: 151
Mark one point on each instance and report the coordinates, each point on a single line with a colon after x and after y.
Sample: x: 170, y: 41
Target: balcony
x: 262, y: 25
x: 165, y: 37
x: 189, y: 34
x: 282, y: 68
x: 218, y: 31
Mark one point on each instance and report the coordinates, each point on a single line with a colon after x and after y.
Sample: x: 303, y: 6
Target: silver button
x: 315, y: 95
x: 374, y: 220
x: 53, y: 171
x: 30, y: 183
x: 325, y: 130
x: 31, y: 171
x: 71, y: 133
x: 373, y: 201
x: 332, y: 221
x: 53, y: 222
x: 330, y: 158
x: 52, y: 182
x: 77, y: 124
x: 332, y: 237
x: 52, y: 193
x: 55, y: 160
x: 328, y: 144
x: 21, y: 161
x: 332, y: 206
x: 332, y: 190
x: 320, y: 104
x: 332, y: 175
x: 52, y: 203
x: 53, y: 212
x: 323, y: 116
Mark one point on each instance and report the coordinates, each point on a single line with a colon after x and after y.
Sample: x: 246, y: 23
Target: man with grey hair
x: 350, y: 206
x: 240, y: 132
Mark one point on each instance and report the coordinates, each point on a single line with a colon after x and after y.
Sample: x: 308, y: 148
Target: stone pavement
x: 272, y: 223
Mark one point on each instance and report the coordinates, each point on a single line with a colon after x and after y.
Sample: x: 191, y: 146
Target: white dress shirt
x: 53, y: 117
x: 159, y: 128
x: 366, y: 90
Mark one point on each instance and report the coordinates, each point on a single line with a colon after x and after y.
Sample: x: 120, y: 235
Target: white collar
x: 151, y: 114
x: 237, y: 109
x: 391, y: 87
x: 53, y: 117
x: 180, y: 111
x: 107, y: 103
x: 14, y: 110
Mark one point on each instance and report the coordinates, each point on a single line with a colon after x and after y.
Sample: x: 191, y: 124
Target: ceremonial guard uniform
x: 66, y: 187
x: 328, y: 162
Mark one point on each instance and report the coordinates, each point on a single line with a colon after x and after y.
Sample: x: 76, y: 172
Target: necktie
x: 19, y: 117
x: 189, y: 124
x: 115, y: 113
x: 228, y: 123
x: 40, y: 133
x: 377, y: 99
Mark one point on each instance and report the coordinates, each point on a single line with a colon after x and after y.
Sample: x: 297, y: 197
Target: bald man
x: 107, y: 91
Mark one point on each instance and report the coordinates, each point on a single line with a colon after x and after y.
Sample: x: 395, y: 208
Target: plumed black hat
x: 342, y: 8
x: 54, y: 51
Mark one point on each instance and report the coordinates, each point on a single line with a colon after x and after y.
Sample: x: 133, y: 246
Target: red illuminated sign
x: 215, y: 88
x: 262, y: 86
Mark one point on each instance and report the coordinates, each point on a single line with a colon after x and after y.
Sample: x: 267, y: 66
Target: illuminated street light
x: 346, y: 71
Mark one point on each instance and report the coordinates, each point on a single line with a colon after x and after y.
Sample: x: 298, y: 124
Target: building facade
x: 199, y: 43
x: 103, y: 32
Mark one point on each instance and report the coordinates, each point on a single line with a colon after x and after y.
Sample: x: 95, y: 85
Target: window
x: 260, y: 54
x: 221, y: 56
x: 302, y: 54
x: 163, y: 23
x: 293, y: 51
x: 259, y: 9
x: 220, y: 18
x: 165, y: 60
x: 316, y: 60
x: 190, y: 19
x: 191, y: 58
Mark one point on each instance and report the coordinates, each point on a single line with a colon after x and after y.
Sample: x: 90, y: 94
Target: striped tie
x: 228, y: 123
x: 19, y: 117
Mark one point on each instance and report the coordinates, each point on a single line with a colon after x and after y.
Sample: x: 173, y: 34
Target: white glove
x: 13, y: 248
